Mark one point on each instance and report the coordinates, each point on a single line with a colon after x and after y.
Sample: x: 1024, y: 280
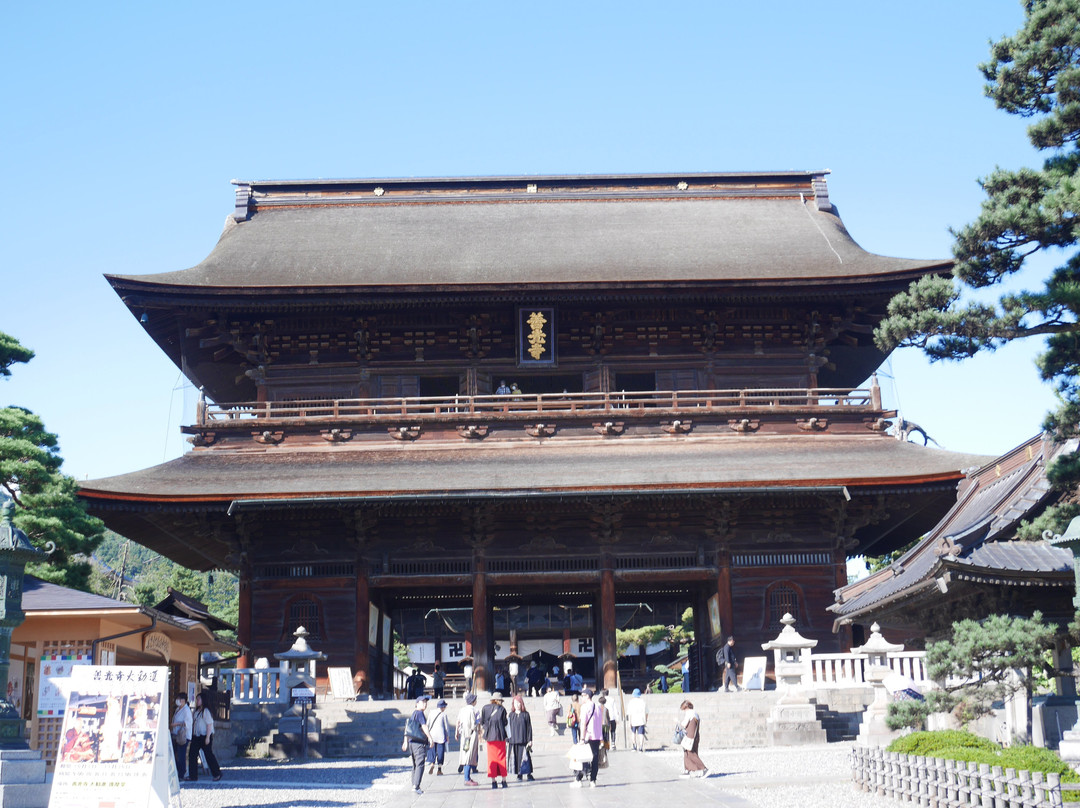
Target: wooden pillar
x: 483, y: 673
x: 609, y: 654
x: 723, y: 592
x: 362, y: 654
x: 704, y: 641
x: 243, y: 623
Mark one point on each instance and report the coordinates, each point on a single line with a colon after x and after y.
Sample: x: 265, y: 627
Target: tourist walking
x: 729, y: 664
x: 592, y: 732
x: 202, y: 740
x: 438, y: 734
x: 415, y: 684
x: 180, y: 728
x: 493, y: 721
x: 613, y: 716
x: 573, y: 718
x: 534, y: 678
x: 438, y: 682
x: 416, y: 741
x: 465, y: 732
x: 637, y: 715
x: 691, y: 724
x: 553, y: 709
x: 519, y: 739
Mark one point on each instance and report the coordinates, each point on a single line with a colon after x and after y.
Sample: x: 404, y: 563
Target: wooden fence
x: 938, y: 783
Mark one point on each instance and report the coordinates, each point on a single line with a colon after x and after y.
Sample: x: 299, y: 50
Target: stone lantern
x: 793, y: 719
x: 298, y: 670
x: 22, y: 772
x: 874, y: 731
x: 1069, y: 747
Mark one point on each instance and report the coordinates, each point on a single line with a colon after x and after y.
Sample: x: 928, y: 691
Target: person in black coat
x: 493, y: 723
x: 729, y: 662
x: 519, y: 738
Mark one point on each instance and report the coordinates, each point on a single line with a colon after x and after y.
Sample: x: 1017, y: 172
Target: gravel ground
x: 811, y: 777
x: 326, y: 783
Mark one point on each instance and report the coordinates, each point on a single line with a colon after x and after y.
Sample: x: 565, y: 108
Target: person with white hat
x: 465, y: 732
x: 493, y: 721
x: 416, y: 741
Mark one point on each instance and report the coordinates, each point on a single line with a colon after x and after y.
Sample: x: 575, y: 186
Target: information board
x: 341, y: 683
x: 114, y: 744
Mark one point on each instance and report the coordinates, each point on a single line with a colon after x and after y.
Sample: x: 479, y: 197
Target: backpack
x: 413, y: 731
x: 571, y: 718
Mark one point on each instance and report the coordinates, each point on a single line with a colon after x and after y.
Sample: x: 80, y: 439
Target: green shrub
x: 951, y: 744
x: 931, y: 744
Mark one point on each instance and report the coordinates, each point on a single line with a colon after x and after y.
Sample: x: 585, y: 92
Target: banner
x: 115, y: 747
x: 53, y: 685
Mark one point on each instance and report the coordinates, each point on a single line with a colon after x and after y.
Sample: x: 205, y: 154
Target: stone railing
x: 849, y: 670
x: 254, y: 685
x: 264, y: 685
x: 938, y: 782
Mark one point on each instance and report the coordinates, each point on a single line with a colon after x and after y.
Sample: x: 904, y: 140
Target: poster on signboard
x: 753, y: 675
x: 114, y: 743
x: 341, y: 683
x: 53, y: 682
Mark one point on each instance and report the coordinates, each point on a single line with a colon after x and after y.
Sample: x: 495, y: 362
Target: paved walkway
x: 809, y: 777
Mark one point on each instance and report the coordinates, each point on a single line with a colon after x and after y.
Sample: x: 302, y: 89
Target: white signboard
x: 55, y: 672
x: 341, y: 683
x: 753, y: 673
x: 582, y: 647
x: 114, y: 745
x: 373, y: 624
x: 453, y: 651
x: 422, y: 653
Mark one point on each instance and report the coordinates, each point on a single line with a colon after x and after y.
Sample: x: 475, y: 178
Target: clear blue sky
x: 124, y: 122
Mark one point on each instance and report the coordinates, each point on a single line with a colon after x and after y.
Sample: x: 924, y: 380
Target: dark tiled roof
x: 771, y: 231
x: 1034, y: 556
x: 522, y: 467
x: 191, y: 610
x: 41, y: 596
x: 973, y: 535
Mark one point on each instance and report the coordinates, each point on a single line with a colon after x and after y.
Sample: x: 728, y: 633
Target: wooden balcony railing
x: 620, y: 404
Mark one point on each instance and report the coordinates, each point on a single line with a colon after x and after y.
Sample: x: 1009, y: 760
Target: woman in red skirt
x: 493, y: 722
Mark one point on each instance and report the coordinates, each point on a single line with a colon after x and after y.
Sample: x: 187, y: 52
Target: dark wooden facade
x: 688, y: 431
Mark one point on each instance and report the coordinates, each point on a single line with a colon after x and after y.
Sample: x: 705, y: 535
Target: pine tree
x: 1034, y: 74
x: 47, y: 507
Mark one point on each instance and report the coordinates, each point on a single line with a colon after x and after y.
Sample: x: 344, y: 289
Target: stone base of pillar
x: 22, y: 779
x: 794, y: 725
x: 1069, y: 748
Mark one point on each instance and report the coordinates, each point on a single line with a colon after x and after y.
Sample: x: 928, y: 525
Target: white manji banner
x: 114, y: 747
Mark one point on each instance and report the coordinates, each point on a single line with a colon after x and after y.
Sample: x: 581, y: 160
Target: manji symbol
x: 537, y: 337
x: 455, y: 650
x: 584, y: 646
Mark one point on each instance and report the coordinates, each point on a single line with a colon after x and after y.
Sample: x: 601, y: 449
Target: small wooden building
x: 510, y: 415
x: 66, y: 627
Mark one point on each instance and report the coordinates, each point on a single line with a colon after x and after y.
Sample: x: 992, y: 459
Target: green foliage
x: 963, y: 746
x: 626, y: 638
x: 148, y: 577
x: 932, y: 744
x: 1055, y: 519
x: 907, y: 715
x: 11, y: 351
x: 876, y: 563
x: 992, y: 659
x: 674, y: 678
x: 1034, y: 74
x: 47, y: 506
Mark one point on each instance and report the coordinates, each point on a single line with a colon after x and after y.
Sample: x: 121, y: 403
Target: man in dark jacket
x: 729, y: 664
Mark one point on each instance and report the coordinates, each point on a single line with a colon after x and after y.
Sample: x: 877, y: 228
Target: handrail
x: 582, y: 404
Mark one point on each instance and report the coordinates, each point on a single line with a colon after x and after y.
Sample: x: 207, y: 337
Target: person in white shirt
x: 637, y: 714
x: 180, y: 728
x: 553, y: 708
x: 202, y: 739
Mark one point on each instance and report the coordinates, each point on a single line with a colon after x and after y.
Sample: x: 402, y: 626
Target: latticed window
x: 304, y: 612
x: 783, y: 599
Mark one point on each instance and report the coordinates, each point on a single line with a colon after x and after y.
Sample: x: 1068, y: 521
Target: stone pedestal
x: 22, y: 779
x: 1069, y: 748
x: 794, y: 724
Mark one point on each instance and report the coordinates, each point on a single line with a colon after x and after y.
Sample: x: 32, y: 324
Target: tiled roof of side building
x: 767, y: 229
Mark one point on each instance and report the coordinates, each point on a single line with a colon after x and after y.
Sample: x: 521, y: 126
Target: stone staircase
x: 374, y: 728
